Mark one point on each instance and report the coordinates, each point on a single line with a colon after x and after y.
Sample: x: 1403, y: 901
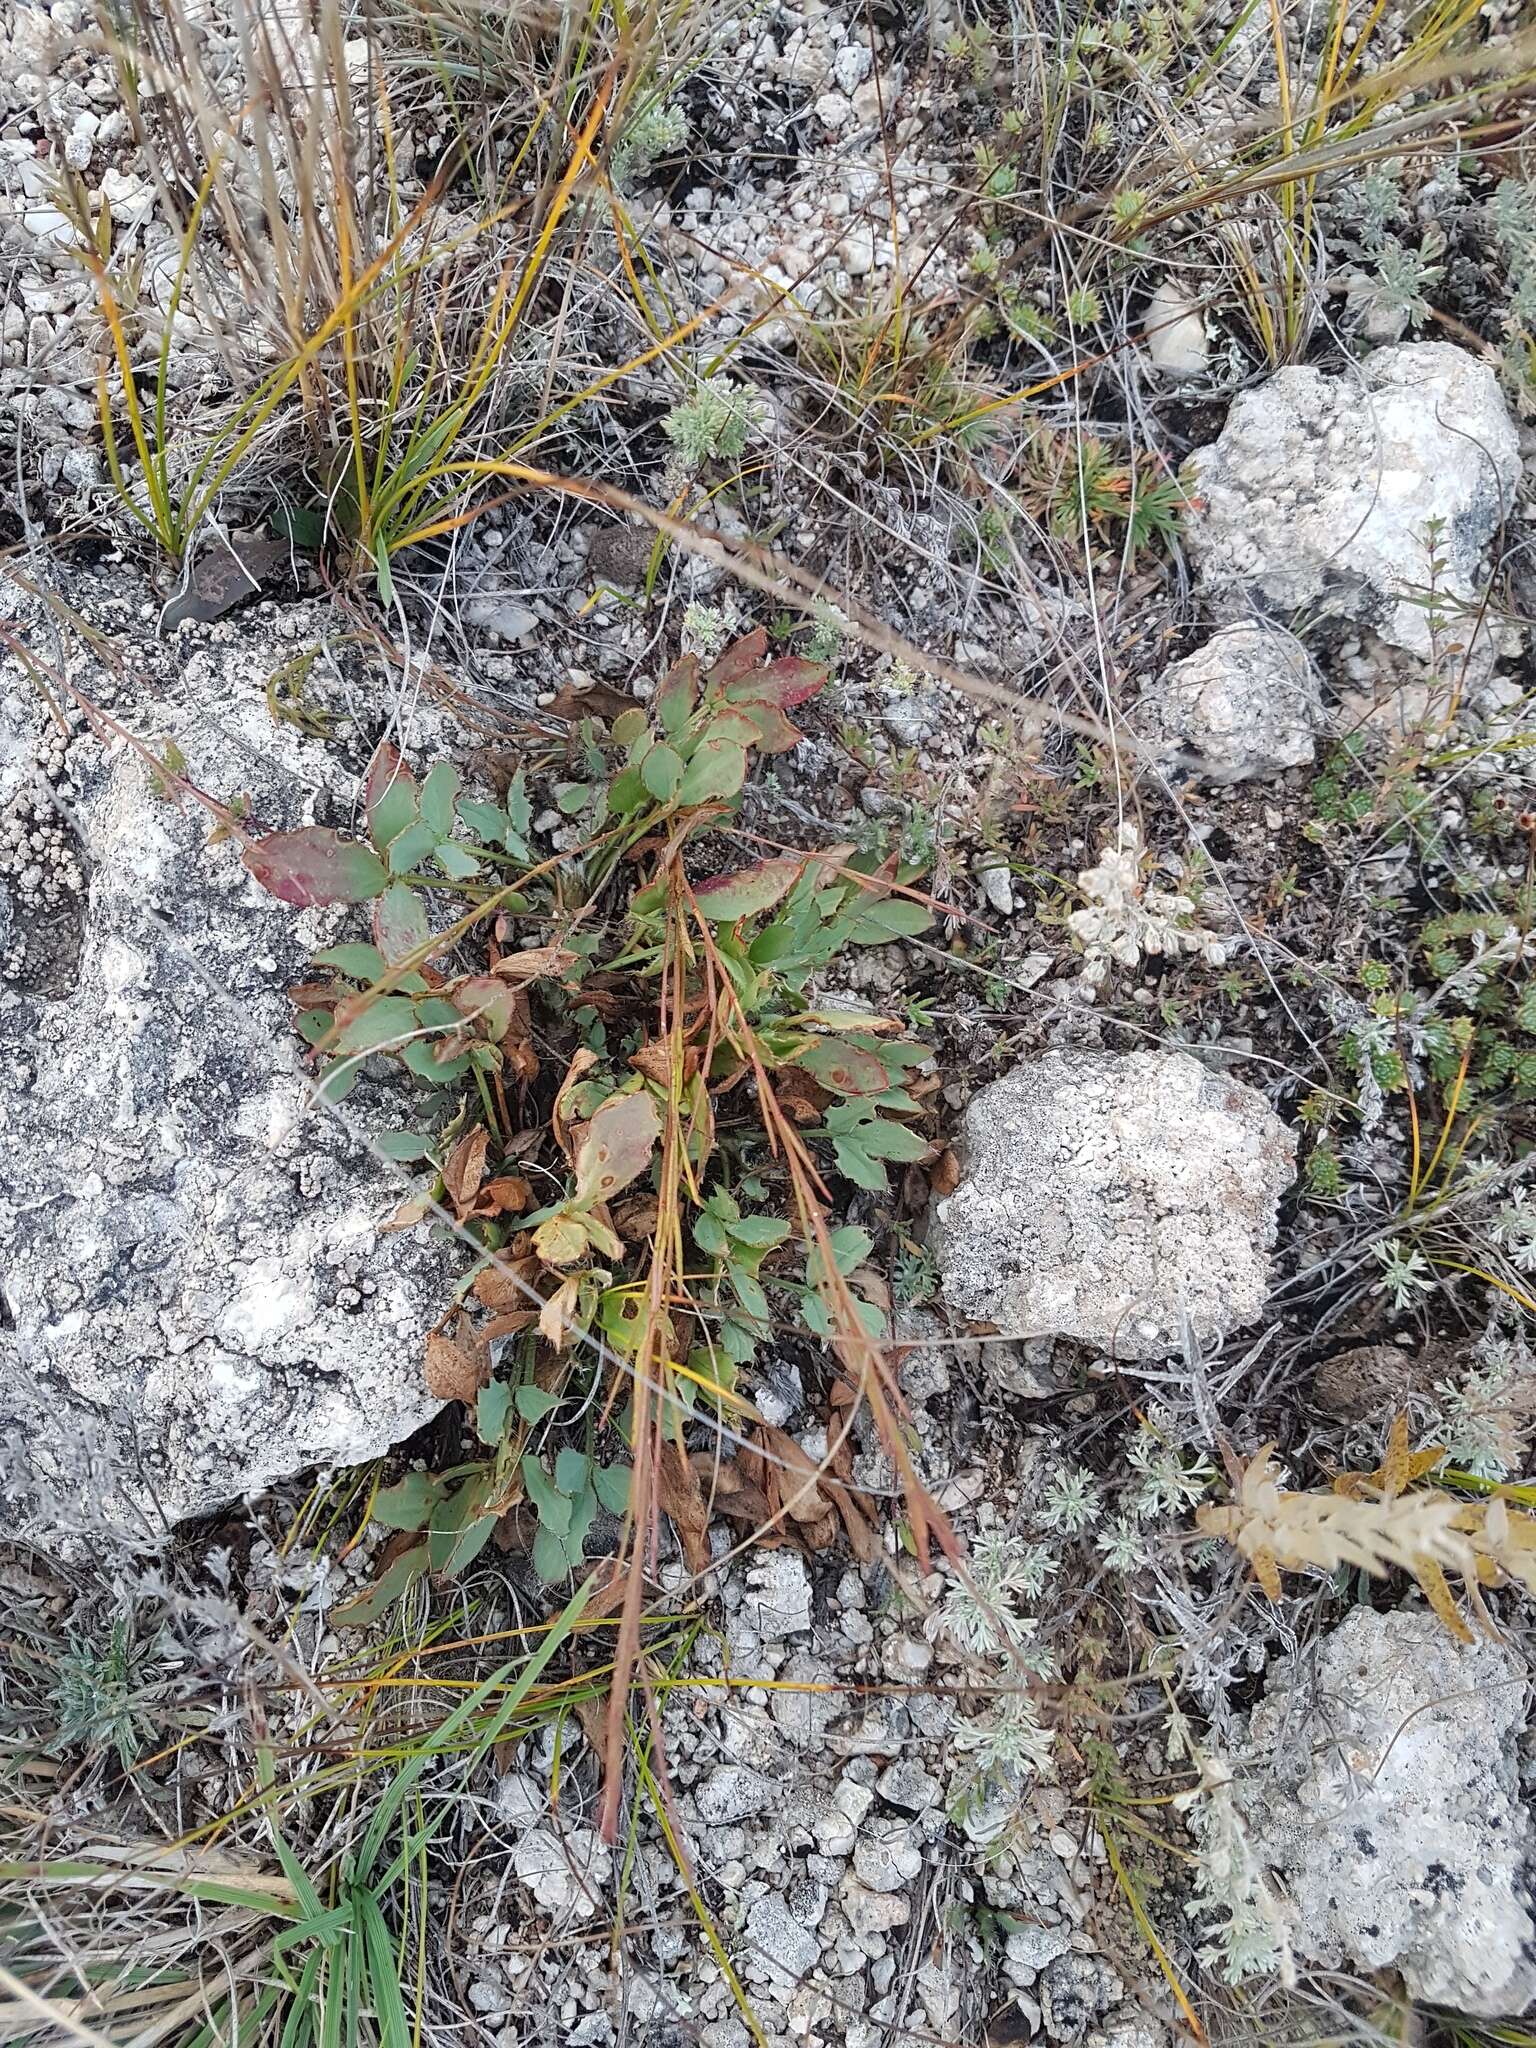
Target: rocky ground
x: 1158, y: 527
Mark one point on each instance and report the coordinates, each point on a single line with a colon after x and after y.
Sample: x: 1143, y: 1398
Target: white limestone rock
x: 1111, y: 1197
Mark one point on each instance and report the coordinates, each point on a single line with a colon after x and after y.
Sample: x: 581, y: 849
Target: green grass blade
x: 382, y: 1973
x: 558, y: 1631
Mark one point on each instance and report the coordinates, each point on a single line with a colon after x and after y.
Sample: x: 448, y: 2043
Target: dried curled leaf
x: 456, y: 1369
x: 1425, y: 1532
x: 682, y: 1500
x: 464, y: 1169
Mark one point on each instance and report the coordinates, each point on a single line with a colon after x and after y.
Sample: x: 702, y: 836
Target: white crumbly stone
x: 1175, y: 330
x: 1383, y: 1790
x: 780, y: 1950
x: 1246, y: 704
x: 778, y: 1601
x: 886, y: 1858
x: 732, y: 1792
x: 1316, y: 493
x: 566, y: 1874
x: 1110, y: 1197
x: 197, y: 1294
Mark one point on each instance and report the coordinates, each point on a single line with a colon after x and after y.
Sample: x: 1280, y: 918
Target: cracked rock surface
x: 1317, y: 493
x: 198, y: 1300
x: 1383, y: 1789
x: 1109, y: 1197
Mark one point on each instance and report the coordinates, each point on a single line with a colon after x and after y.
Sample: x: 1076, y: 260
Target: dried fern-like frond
x: 1372, y: 1520
x: 1279, y: 1530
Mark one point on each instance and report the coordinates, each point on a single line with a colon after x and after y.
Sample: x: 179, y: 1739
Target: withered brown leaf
x: 464, y: 1169
x: 456, y: 1368
x: 682, y: 1499
x: 507, y: 1195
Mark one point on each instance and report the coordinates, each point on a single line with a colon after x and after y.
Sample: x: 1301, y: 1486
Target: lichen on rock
x: 197, y: 1297
x: 1115, y: 1198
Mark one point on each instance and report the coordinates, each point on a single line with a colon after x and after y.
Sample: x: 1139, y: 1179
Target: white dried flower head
x: 1126, y: 920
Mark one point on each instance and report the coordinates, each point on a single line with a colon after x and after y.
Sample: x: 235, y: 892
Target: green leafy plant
x: 715, y: 422
x: 103, y: 1694
x: 640, y: 1041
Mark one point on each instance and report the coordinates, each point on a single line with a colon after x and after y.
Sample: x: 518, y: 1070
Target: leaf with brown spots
x: 456, y: 1369
x: 615, y: 1147
x: 485, y: 1002
x: 464, y: 1169
x: 847, y: 1069
x: 741, y: 658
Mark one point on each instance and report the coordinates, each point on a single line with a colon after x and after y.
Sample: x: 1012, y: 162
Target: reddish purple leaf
x: 772, y: 732
x: 316, y: 865
x: 740, y: 660
x: 723, y: 898
x: 782, y: 683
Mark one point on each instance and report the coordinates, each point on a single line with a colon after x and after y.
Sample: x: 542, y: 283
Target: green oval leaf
x: 661, y: 771
x: 404, y: 1145
x: 359, y: 963
x: 389, y: 795
x: 436, y: 801
x: 411, y: 848
x: 381, y: 1021
x: 718, y: 769
x: 897, y: 917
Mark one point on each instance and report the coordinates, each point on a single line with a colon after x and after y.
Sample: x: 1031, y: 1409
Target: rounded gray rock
x: 1115, y: 1197
x: 1246, y: 704
x: 1318, y: 491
